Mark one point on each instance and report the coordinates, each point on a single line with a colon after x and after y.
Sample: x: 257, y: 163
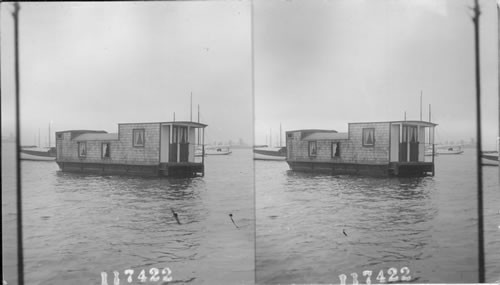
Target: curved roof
x: 96, y: 137
x: 326, y: 136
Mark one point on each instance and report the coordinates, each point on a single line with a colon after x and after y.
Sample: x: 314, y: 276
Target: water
x: 428, y: 224
x: 78, y: 225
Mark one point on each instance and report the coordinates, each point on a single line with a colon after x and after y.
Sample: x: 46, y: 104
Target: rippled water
x: 426, y: 224
x: 77, y: 226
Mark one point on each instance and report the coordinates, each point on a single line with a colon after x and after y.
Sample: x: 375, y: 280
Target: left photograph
x: 135, y: 143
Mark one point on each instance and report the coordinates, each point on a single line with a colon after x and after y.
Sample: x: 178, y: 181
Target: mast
x: 280, y: 136
x: 420, y: 105
x: 480, y: 222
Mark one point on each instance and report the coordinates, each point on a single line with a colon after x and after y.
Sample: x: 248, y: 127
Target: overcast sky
x: 317, y: 64
x: 94, y: 65
x: 323, y: 64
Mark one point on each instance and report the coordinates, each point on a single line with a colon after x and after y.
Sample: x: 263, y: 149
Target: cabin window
x: 313, y: 150
x: 368, y: 136
x: 138, y: 137
x: 59, y: 136
x: 105, y: 150
x: 289, y: 135
x: 82, y: 149
x: 335, y: 149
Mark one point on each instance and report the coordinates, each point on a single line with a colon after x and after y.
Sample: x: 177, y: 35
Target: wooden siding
x: 351, y: 150
x: 121, y: 150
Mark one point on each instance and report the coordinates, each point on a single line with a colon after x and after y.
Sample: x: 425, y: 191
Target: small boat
x: 429, y: 152
x: 199, y: 152
x: 490, y: 158
x: 269, y: 153
x: 449, y: 150
x: 217, y: 150
x: 38, y: 153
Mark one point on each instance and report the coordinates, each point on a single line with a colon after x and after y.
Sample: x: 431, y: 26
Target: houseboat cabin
x: 370, y: 148
x: 149, y: 149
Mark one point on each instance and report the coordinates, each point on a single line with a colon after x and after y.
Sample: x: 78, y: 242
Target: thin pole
x: 191, y: 108
x: 280, y: 135
x: 174, y: 116
x: 49, y: 134
x: 429, y: 113
x: 270, y: 138
x: 405, y: 115
x: 480, y: 225
x: 20, y: 258
x: 420, y: 105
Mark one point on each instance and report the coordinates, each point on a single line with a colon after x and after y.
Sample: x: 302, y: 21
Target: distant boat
x: 38, y: 153
x: 217, y: 150
x: 269, y: 153
x: 429, y: 151
x: 490, y: 158
x: 449, y: 150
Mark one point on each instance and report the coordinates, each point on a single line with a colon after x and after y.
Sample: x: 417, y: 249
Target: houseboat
x: 368, y: 148
x: 146, y: 149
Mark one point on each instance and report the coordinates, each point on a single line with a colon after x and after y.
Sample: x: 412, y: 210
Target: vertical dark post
x: 191, y: 108
x: 203, y: 152
x: 20, y: 259
x: 480, y: 225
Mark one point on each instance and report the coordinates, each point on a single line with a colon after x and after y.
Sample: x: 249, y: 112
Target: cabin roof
x: 326, y: 136
x: 407, y: 122
x: 96, y: 137
x: 177, y: 123
x: 313, y: 131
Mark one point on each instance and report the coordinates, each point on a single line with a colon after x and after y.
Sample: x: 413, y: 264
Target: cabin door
x: 403, y: 145
x: 413, y: 138
x: 183, y: 144
x: 179, y: 147
x: 408, y: 148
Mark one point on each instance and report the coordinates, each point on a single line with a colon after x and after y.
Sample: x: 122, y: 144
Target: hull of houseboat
x: 187, y: 169
x: 391, y: 169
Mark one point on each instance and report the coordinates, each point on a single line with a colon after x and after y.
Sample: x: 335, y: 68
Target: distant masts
x: 420, y: 105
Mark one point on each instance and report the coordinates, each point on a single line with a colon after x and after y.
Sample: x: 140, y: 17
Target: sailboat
x: 39, y: 153
x: 269, y: 152
x: 491, y: 158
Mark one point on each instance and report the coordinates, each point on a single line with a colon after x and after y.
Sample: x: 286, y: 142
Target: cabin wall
x: 122, y: 151
x: 377, y: 154
x: 351, y: 150
x: 125, y: 152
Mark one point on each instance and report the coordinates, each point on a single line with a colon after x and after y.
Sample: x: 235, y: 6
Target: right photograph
x: 368, y: 163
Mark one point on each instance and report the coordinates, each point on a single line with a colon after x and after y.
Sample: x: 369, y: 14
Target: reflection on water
x: 312, y: 228
x: 79, y: 225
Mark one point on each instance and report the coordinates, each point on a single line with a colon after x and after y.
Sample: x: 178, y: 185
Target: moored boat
x: 490, y: 158
x: 367, y: 148
x: 218, y: 150
x: 269, y: 153
x: 38, y: 153
x: 456, y: 149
